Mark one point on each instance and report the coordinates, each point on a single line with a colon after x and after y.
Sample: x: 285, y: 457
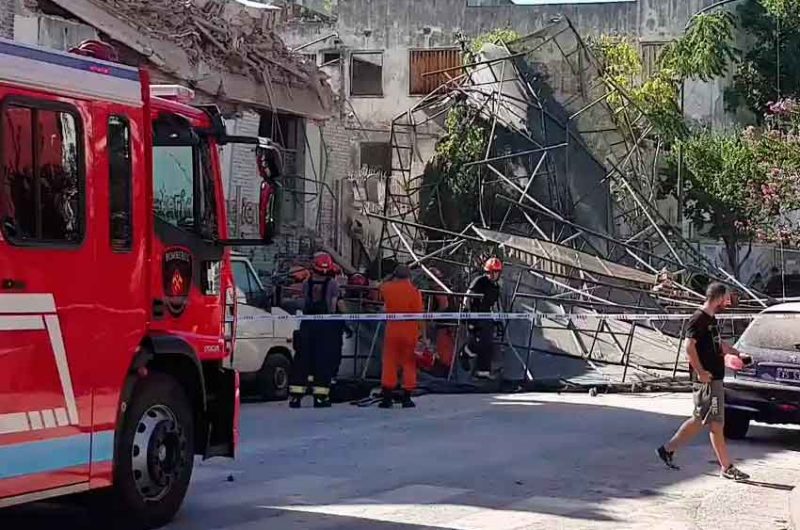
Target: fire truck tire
x: 273, y: 378
x: 154, y: 453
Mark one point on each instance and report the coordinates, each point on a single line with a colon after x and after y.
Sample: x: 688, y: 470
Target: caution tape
x: 528, y: 316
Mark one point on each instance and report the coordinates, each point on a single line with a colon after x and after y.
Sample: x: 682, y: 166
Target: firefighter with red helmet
x: 481, y: 344
x: 317, y: 338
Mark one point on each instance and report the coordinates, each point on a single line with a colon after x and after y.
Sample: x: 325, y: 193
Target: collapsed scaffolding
x: 577, y: 166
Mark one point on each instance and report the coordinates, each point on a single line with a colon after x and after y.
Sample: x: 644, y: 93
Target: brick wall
x: 242, y: 186
x: 334, y: 213
x: 7, y: 9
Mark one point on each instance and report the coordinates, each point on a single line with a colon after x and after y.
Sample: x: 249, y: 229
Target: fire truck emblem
x: 177, y: 279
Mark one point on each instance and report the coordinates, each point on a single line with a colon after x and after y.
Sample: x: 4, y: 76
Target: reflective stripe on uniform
x: 321, y: 391
x: 294, y: 389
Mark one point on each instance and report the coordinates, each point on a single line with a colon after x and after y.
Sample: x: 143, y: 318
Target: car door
x: 47, y: 313
x: 254, y: 330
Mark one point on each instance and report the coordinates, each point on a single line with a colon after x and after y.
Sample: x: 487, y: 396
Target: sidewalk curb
x: 794, y: 507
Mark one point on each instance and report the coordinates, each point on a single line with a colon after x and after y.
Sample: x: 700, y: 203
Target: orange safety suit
x: 445, y: 342
x: 400, y: 296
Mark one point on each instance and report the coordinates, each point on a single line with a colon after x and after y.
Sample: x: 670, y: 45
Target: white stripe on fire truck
x: 21, y: 323
x: 33, y: 421
x: 57, y: 341
x: 35, y: 418
x: 27, y: 303
x: 15, y: 422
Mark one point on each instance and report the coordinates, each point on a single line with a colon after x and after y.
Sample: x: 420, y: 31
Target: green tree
x: 769, y: 67
x: 742, y: 185
x: 451, y: 194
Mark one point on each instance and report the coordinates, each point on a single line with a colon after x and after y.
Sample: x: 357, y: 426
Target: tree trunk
x: 732, y: 250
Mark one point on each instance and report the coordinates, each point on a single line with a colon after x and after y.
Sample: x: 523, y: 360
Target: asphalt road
x: 475, y: 462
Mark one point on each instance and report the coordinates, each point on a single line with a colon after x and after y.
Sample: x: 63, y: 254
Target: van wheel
x: 273, y: 378
x: 737, y: 422
x: 154, y: 454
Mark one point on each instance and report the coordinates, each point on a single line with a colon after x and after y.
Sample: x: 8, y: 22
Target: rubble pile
x: 220, y: 33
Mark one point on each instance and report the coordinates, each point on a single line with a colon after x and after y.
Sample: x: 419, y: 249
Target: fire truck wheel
x: 155, y: 452
x: 273, y: 377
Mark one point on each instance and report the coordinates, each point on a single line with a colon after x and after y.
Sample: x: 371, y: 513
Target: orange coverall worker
x: 400, y: 296
x: 445, y: 342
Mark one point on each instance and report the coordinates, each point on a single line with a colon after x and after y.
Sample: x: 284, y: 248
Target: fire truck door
x: 47, y: 269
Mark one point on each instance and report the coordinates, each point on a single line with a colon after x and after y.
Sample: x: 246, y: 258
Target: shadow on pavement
x: 454, y: 457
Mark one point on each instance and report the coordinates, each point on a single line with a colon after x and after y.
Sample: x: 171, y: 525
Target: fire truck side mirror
x: 270, y: 165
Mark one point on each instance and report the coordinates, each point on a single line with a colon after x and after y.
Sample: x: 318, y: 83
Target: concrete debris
x: 219, y: 33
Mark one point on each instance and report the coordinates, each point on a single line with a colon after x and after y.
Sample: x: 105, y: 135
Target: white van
x: 264, y: 349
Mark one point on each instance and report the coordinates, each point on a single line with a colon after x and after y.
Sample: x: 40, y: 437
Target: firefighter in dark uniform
x: 318, y: 338
x: 481, y: 344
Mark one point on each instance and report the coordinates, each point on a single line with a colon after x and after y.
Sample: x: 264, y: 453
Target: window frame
x: 117, y: 249
x: 353, y: 54
x: 411, y: 52
x: 36, y: 104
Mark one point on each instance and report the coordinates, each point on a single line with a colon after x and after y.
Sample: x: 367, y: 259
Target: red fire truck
x: 117, y: 303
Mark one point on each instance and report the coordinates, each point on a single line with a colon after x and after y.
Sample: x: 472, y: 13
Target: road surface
x: 475, y: 462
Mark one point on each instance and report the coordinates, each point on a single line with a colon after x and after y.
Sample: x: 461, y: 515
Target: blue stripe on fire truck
x: 43, y: 456
x: 70, y: 61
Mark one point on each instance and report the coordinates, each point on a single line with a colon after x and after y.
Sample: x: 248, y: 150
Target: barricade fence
x: 659, y: 331
x: 511, y: 316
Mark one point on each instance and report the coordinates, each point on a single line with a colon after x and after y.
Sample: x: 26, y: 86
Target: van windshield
x: 773, y: 332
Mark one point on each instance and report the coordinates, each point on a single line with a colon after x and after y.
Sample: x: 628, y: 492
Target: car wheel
x: 273, y: 377
x: 154, y: 453
x: 737, y: 422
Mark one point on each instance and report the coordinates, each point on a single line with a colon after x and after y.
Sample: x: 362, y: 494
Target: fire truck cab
x: 117, y: 302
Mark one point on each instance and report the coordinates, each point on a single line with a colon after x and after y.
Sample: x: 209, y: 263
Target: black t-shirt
x: 490, y: 291
x: 702, y: 327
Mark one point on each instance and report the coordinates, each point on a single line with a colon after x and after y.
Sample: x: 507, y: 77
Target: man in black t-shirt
x: 706, y: 354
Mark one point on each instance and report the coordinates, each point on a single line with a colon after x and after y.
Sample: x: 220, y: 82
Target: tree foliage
x: 656, y: 96
x: 742, y: 184
x: 705, y: 50
x: 496, y: 36
x: 769, y: 67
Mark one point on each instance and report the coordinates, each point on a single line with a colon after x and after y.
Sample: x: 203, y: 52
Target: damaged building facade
x: 379, y: 54
x: 232, y: 57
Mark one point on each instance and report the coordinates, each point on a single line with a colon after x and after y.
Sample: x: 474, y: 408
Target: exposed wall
x: 397, y: 26
x: 7, y: 8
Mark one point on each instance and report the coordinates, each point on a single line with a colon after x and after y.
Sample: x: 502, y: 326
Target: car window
x: 772, y: 333
x: 241, y: 275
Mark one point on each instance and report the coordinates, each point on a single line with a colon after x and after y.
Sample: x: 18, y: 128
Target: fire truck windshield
x: 183, y: 186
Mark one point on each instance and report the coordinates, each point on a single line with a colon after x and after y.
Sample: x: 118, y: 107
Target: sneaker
x: 386, y: 402
x: 666, y: 457
x: 295, y: 402
x: 733, y: 473
x: 482, y: 374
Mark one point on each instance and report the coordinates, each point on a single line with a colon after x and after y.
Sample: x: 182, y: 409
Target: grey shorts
x: 709, y: 402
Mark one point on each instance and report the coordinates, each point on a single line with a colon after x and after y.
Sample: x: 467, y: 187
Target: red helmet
x: 358, y: 279
x: 97, y: 49
x: 493, y: 265
x: 323, y: 262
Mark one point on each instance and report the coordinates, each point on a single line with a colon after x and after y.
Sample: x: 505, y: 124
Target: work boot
x: 406, y: 401
x: 295, y: 402
x: 322, y: 402
x: 387, y: 401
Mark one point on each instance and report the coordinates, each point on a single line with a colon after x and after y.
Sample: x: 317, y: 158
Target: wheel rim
x: 158, y: 454
x: 280, y: 378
